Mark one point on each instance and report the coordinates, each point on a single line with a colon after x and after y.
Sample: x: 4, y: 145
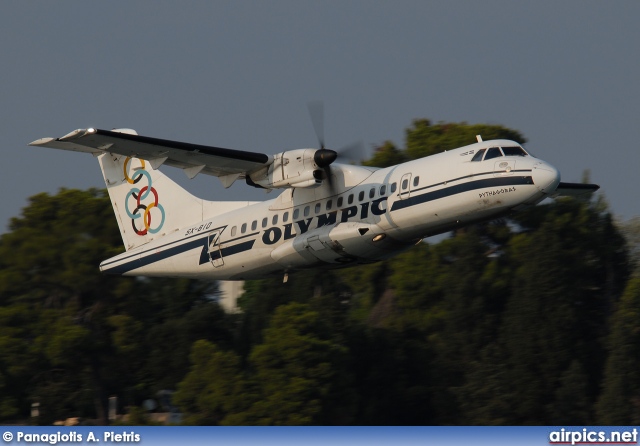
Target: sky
x: 239, y: 74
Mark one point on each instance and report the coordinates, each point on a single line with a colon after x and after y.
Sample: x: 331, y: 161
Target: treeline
x: 532, y: 319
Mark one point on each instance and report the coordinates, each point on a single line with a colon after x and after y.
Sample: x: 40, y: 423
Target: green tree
x: 48, y: 267
x: 572, y: 403
x: 567, y: 264
x: 386, y: 155
x: 215, y: 389
x: 71, y: 337
x: 619, y: 402
x: 301, y: 371
x: 321, y: 289
x: 448, y: 298
x: 424, y: 138
x: 631, y: 231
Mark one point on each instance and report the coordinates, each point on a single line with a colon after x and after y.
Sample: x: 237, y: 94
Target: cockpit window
x: 478, y: 155
x: 493, y: 152
x: 514, y: 151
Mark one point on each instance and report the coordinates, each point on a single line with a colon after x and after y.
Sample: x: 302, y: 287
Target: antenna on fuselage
x: 479, y: 138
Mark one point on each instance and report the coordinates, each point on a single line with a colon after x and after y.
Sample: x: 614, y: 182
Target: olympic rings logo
x: 142, y: 211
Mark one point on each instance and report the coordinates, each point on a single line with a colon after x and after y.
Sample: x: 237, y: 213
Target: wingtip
x: 579, y: 186
x: 575, y: 189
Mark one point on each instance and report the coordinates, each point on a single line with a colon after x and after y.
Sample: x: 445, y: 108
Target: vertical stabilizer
x: 147, y: 203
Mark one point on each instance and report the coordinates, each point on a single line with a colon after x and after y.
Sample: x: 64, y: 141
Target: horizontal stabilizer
x: 64, y: 145
x: 192, y: 158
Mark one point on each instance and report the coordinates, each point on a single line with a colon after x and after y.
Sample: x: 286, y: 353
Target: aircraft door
x: 215, y: 254
x: 405, y: 186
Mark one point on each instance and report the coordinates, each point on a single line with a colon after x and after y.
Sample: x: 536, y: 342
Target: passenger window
x: 265, y: 221
x: 416, y: 180
x: 394, y: 186
x: 317, y: 208
x: 254, y: 225
x: 372, y: 192
x: 274, y: 220
x: 296, y: 214
x: 329, y: 205
x: 233, y: 231
x: 340, y: 200
x: 243, y: 228
x: 307, y: 209
x: 350, y: 200
x: 478, y: 155
x: 285, y: 217
x: 405, y: 184
x: 361, y: 196
x: 494, y: 152
x: 383, y: 190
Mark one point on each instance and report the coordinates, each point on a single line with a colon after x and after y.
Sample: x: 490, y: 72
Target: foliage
x: 69, y: 336
x: 620, y: 399
x: 386, y: 155
x: 631, y: 231
x: 425, y: 138
x: 215, y: 388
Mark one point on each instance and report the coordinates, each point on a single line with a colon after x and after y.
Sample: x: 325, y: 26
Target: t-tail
x: 147, y: 203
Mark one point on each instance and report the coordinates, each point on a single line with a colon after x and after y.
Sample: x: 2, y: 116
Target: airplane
x: 328, y: 215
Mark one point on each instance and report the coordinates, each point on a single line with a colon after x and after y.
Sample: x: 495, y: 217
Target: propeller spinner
x: 323, y: 156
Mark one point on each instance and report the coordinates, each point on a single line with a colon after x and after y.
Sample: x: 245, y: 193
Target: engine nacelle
x: 294, y: 168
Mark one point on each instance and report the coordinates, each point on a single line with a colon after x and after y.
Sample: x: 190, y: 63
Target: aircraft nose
x: 545, y: 177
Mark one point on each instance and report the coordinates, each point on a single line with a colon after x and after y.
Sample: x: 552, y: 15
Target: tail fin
x: 147, y: 203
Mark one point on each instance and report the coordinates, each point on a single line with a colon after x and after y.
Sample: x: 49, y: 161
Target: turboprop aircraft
x: 328, y: 214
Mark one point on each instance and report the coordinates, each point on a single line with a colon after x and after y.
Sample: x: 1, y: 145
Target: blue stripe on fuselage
x: 226, y: 251
x: 460, y: 188
x: 203, y: 242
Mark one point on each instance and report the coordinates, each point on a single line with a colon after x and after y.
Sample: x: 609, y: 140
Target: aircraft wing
x: 227, y: 164
x: 574, y: 189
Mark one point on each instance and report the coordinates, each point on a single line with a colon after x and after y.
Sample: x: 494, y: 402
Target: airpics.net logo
x: 588, y: 436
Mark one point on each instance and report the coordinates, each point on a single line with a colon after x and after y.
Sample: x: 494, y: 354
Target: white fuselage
x: 363, y: 215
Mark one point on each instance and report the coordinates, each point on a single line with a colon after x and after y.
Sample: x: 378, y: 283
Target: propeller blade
x: 316, y: 111
x: 354, y: 152
x: 329, y: 178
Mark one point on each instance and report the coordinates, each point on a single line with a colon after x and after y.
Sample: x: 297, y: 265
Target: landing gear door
x: 215, y: 253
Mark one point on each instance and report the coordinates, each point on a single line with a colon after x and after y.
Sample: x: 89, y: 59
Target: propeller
x: 353, y: 153
x: 323, y: 156
x: 316, y: 111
